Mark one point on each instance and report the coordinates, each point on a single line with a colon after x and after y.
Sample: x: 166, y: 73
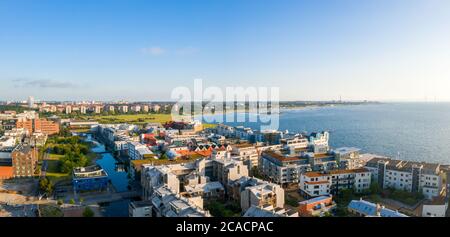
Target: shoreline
x: 281, y: 109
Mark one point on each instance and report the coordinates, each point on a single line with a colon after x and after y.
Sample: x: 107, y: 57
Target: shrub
x: 88, y: 212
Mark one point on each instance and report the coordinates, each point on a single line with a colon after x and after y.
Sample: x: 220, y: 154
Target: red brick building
x: 39, y: 125
x: 24, y: 160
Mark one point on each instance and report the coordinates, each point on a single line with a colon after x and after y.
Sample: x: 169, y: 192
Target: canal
x: 117, y: 175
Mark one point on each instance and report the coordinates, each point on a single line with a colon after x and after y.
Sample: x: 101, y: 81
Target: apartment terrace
x: 93, y: 171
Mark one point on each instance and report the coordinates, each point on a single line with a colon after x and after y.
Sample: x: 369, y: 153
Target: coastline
x: 282, y: 109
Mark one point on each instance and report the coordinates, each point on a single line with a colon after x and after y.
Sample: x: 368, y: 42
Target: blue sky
x: 141, y: 50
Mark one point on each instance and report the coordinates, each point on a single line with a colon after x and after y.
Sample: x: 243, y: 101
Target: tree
x: 88, y: 212
x: 375, y: 188
x: 72, y: 201
x: 45, y: 185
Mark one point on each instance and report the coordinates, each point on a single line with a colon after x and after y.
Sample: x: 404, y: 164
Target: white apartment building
x: 98, y: 109
x: 136, y: 150
x: 313, y: 184
x: 347, y: 157
x: 407, y: 175
x: 83, y: 109
x: 319, y: 139
x: 136, y: 108
x: 262, y: 194
x: 247, y: 153
x: 166, y: 203
x: 140, y: 209
x: 124, y: 108
x: 298, y: 142
x: 68, y: 109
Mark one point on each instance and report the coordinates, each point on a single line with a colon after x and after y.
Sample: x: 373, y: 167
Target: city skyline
x: 140, y: 51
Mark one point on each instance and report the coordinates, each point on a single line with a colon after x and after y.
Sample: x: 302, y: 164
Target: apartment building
x: 145, y: 108
x: 247, y: 153
x: 68, y: 109
x: 166, y: 203
x: 347, y: 157
x: 407, y: 175
x: 298, y: 142
x: 124, y: 109
x: 136, y: 108
x: 140, y: 209
x: 205, y: 189
x: 137, y: 151
x: 225, y: 130
x: 313, y: 184
x: 282, y: 169
x: 83, y: 109
x: 269, y: 211
x: 261, y: 194
x: 318, y: 142
x: 153, y: 177
x: 38, y: 125
x: 24, y: 160
x: 226, y: 169
x: 321, y: 161
x: 97, y: 109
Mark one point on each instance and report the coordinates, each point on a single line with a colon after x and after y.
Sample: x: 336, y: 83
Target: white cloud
x: 155, y: 51
x: 42, y: 83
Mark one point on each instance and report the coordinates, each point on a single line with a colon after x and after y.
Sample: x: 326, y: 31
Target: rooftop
x: 138, y: 204
x: 316, y: 199
x: 280, y: 157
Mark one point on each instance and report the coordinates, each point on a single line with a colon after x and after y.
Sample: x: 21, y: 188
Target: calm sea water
x: 410, y: 131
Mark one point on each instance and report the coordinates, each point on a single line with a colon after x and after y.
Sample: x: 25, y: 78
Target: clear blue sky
x: 140, y: 50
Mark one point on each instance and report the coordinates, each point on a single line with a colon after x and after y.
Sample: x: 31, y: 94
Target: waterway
x: 118, y: 178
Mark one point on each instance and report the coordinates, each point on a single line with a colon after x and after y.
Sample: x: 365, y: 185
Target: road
x: 45, y: 163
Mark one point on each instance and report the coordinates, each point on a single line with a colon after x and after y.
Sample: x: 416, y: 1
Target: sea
x: 407, y: 131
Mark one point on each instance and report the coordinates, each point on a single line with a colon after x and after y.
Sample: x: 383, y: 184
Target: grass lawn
x: 50, y: 211
x: 53, y: 169
x: 53, y: 166
x: 55, y: 157
x: 131, y: 118
x: 57, y: 177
